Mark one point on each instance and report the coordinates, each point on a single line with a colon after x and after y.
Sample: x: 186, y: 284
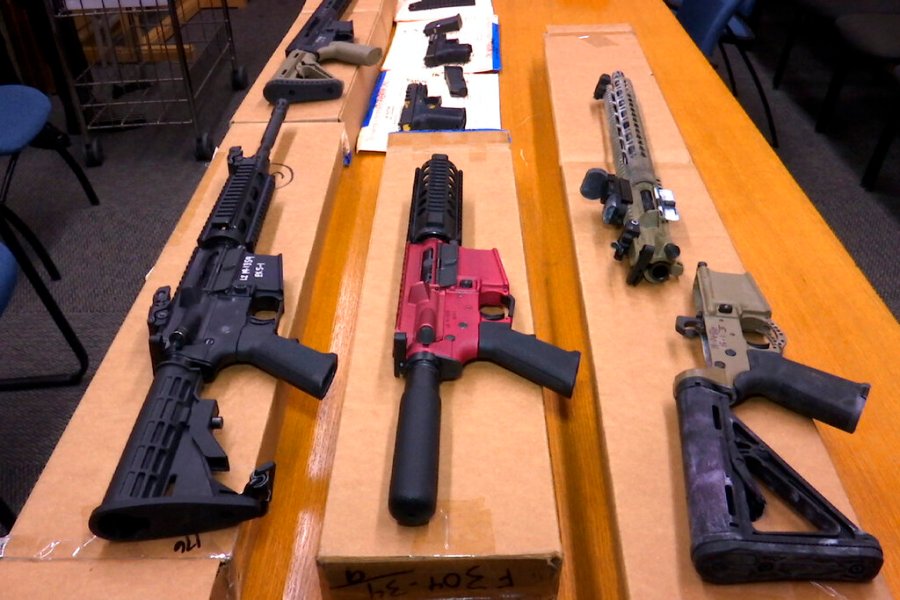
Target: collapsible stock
x: 163, y: 485
x: 721, y: 458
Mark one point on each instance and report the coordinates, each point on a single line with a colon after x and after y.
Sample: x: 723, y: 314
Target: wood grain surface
x: 833, y: 317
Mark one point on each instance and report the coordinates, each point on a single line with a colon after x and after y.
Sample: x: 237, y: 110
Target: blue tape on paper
x: 373, y: 99
x: 495, y: 44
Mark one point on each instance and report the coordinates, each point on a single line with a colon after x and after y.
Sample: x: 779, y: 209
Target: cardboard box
x: 634, y: 380
x: 52, y: 529
x: 496, y: 528
x: 385, y: 8
x: 350, y: 108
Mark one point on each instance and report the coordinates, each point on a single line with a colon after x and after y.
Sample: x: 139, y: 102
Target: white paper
x: 482, y: 104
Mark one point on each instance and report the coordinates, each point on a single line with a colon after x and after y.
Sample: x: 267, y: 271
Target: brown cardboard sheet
x: 350, y: 109
x: 496, y: 526
x: 52, y: 527
x: 572, y: 86
x: 634, y: 379
x: 131, y: 579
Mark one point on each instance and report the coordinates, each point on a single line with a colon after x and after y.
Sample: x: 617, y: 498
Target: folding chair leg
x: 762, y: 95
x: 731, y: 79
x: 785, y: 55
x: 52, y: 138
x: 57, y: 379
x: 36, y: 245
x: 79, y: 173
x: 880, y: 153
x: 13, y: 218
x: 831, y: 96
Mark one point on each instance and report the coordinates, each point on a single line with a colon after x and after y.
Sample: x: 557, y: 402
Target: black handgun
x: 225, y: 311
x: 324, y: 37
x: 444, y: 51
x: 422, y: 112
x: 722, y: 456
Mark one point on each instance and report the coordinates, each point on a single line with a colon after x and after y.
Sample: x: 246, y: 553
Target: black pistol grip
x: 163, y: 485
x: 414, y: 476
x: 525, y: 355
x: 802, y: 389
x: 304, y: 368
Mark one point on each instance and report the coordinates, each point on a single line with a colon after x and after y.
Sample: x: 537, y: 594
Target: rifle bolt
x: 726, y: 309
x: 216, y: 423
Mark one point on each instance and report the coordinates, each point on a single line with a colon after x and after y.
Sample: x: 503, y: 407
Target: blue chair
x: 24, y: 113
x: 717, y: 23
x: 705, y: 21
x: 23, y: 122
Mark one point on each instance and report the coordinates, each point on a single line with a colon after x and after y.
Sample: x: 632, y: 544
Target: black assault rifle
x: 225, y: 311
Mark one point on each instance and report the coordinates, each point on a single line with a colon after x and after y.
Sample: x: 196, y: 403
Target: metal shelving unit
x: 142, y: 62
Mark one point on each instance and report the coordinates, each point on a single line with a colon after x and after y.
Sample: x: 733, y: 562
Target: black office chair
x: 890, y: 131
x: 712, y: 23
x: 870, y: 40
x: 825, y: 12
x: 23, y: 121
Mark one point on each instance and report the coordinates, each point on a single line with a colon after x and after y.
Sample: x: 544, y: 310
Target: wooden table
x: 834, y: 318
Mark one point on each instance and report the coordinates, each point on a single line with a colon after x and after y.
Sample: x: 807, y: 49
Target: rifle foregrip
x: 301, y: 366
x: 805, y: 390
x: 414, y: 476
x: 525, y: 355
